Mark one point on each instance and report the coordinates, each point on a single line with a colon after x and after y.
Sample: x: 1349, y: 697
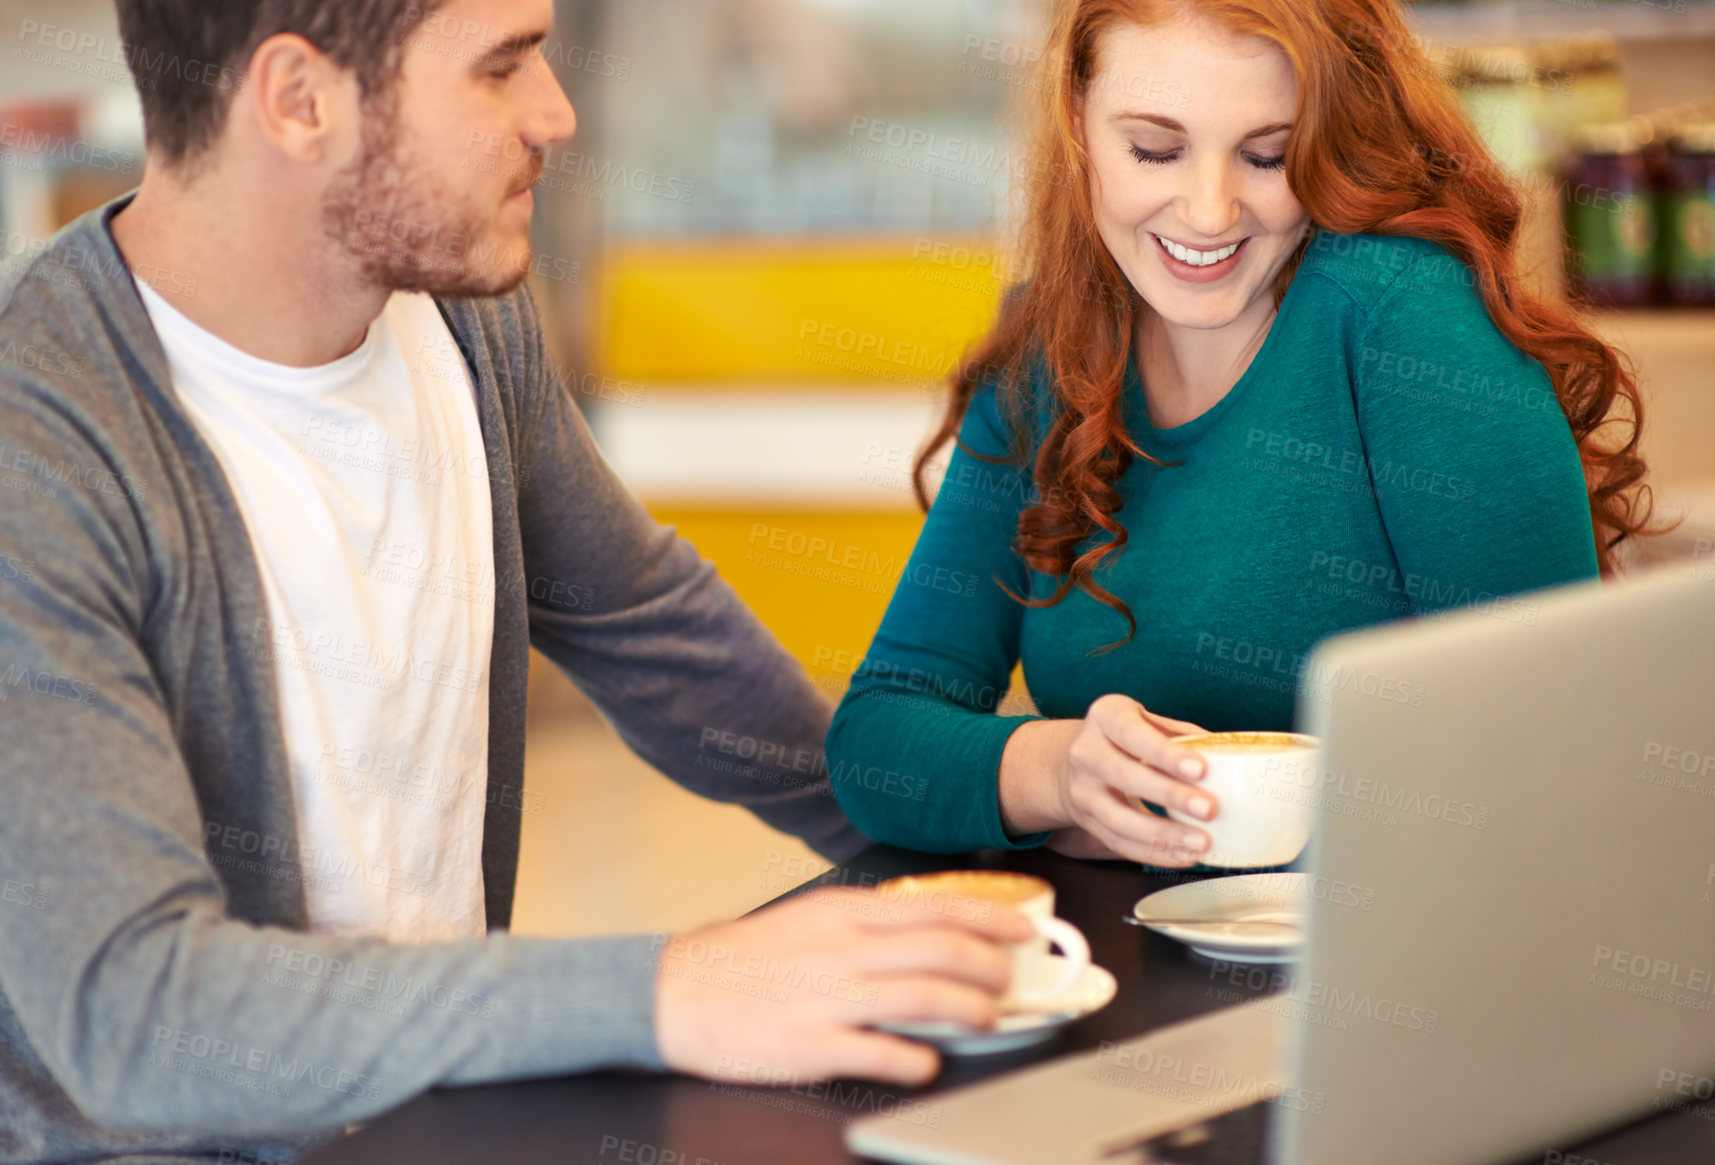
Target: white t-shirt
x: 364, y: 486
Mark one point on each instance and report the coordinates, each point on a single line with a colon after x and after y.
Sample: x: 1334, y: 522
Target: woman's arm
x: 918, y: 756
x: 916, y: 744
x: 1475, y: 470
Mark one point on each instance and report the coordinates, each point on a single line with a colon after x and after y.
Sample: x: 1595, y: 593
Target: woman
x: 1270, y: 376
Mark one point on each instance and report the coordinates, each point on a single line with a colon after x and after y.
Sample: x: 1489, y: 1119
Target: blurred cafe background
x: 780, y: 224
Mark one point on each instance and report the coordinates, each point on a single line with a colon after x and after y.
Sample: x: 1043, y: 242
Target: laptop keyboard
x: 1239, y: 1137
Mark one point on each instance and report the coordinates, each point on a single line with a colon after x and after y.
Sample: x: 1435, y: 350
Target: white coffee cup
x: 1264, y: 782
x: 1039, y: 981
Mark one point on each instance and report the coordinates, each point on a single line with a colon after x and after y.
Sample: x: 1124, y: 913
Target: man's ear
x: 298, y: 100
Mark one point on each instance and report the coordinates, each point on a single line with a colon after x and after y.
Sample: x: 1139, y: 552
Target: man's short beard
x: 393, y: 220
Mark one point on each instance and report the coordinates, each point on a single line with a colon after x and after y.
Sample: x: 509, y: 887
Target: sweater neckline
x: 1200, y: 424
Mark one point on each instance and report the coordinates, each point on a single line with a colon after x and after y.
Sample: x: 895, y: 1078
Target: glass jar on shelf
x: 1502, y: 89
x: 1594, y: 86
x: 1686, y: 206
x: 1610, y: 224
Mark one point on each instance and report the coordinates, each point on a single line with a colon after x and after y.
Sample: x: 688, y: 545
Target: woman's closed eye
x: 1156, y: 156
x: 1162, y: 157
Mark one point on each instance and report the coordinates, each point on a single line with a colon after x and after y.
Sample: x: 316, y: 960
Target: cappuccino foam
x: 986, y: 885
x: 1247, y: 742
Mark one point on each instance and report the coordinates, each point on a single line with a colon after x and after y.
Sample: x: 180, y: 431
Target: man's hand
x: 785, y: 995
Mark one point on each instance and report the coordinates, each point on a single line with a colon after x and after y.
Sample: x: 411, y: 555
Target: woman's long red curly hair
x: 1379, y: 145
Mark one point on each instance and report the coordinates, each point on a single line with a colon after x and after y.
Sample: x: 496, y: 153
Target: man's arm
x: 149, y: 1006
x: 690, y: 678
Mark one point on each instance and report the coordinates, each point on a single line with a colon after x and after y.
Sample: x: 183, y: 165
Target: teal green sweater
x: 1387, y: 453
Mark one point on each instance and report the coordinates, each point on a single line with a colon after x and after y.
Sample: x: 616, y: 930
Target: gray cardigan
x: 155, y: 973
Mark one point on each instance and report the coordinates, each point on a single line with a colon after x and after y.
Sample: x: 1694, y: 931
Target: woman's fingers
x: 1077, y: 842
x: 1120, y: 770
x: 1129, y: 726
x: 1137, y: 833
x: 1174, y: 727
x: 1154, y: 853
x: 1123, y: 755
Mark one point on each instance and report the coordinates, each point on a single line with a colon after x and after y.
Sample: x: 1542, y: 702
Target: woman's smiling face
x: 1186, y: 128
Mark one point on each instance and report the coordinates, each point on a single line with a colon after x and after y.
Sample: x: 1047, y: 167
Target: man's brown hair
x: 188, y: 56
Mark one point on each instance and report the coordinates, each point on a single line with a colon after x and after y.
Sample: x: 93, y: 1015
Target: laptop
x: 1537, y: 822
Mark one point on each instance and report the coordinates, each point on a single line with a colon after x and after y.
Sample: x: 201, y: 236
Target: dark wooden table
x: 644, y: 1119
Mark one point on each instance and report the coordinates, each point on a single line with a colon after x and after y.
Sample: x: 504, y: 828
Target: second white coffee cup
x: 1039, y: 980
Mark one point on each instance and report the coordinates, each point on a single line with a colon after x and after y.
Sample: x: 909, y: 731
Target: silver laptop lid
x: 1528, y: 791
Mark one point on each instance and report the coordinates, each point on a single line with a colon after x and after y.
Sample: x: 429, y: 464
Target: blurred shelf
x: 1545, y: 19
x: 819, y: 578
x: 846, y: 447
x: 1673, y: 350
x: 895, y: 311
x: 1668, y: 331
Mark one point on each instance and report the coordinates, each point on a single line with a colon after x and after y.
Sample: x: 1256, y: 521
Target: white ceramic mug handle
x: 1076, y: 951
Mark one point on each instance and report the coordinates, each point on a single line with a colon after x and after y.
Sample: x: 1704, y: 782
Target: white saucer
x: 1094, y: 990
x: 1282, y: 897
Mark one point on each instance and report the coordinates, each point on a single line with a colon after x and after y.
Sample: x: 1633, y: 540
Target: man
x: 284, y: 511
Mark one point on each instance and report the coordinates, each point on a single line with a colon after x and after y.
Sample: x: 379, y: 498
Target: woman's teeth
x: 1196, y: 258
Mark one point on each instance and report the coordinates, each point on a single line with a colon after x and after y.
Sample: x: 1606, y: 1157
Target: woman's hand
x: 1077, y: 843
x: 1087, y: 776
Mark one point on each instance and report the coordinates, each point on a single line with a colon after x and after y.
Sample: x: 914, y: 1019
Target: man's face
x: 439, y: 196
